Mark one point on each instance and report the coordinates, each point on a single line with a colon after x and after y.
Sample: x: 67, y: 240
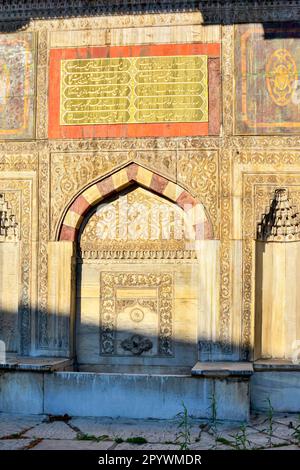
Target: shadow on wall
x: 17, y: 17
x: 131, y: 349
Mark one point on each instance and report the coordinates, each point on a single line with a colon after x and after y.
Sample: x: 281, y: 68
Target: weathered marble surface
x: 234, y: 177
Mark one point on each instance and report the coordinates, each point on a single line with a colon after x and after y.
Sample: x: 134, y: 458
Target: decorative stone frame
x: 133, y: 173
x: 62, y: 252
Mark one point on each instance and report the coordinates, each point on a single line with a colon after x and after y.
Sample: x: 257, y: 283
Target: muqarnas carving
x: 267, y: 67
x: 137, y: 344
x: 17, y: 89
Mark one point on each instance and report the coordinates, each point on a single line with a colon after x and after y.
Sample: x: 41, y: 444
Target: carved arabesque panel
x: 112, y: 285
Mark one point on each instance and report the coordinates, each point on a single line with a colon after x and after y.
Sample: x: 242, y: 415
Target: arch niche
x: 137, y: 303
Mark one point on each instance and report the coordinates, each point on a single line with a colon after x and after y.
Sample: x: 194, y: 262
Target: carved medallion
x: 281, y: 74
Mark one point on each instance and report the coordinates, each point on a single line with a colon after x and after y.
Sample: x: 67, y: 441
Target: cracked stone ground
x: 281, y: 431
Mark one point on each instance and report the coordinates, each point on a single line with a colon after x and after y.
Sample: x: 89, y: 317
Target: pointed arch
x: 133, y: 173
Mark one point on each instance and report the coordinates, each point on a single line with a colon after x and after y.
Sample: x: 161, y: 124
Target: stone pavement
x: 18, y: 432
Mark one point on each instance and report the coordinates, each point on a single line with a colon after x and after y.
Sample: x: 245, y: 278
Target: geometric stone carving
x: 8, y: 226
x: 281, y: 222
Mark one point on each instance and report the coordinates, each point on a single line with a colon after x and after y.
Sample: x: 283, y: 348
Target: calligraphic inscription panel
x: 136, y: 90
x: 17, y: 76
x: 267, y: 70
x: 158, y: 90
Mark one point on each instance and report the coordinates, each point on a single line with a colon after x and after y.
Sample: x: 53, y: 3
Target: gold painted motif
x: 134, y: 90
x: 281, y: 74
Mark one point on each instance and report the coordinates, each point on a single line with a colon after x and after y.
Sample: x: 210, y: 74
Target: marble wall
x: 57, y: 168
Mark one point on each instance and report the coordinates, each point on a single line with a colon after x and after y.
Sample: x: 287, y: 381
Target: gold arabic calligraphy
x: 134, y: 90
